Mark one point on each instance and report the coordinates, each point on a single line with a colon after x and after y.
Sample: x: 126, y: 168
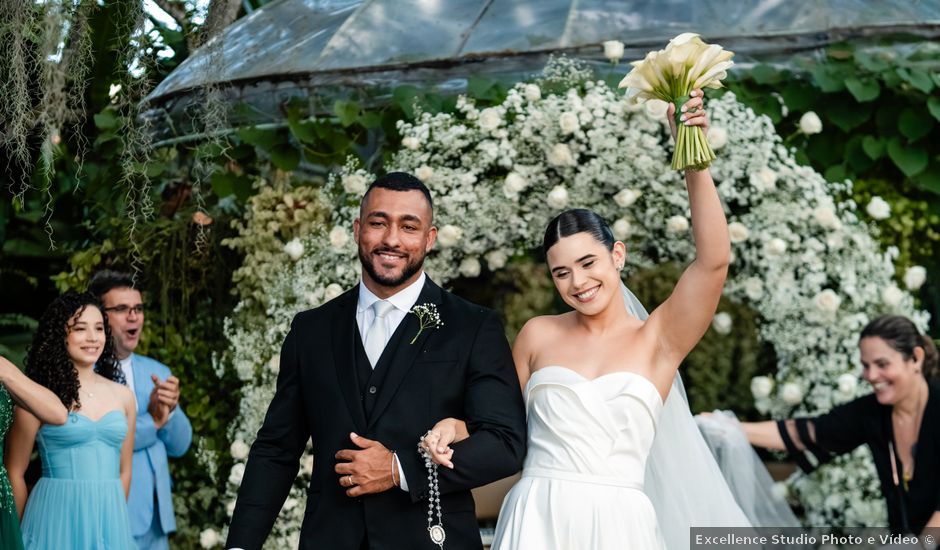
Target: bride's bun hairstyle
x: 574, y: 221
x: 902, y: 335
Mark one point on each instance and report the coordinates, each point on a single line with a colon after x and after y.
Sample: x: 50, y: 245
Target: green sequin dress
x: 10, y: 538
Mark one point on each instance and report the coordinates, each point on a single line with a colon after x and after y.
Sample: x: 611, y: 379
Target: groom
x: 364, y: 380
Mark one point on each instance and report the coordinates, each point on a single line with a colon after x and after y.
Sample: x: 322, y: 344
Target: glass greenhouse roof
x: 304, y: 37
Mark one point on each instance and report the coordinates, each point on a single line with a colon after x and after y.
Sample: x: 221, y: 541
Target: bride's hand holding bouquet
x: 677, y: 75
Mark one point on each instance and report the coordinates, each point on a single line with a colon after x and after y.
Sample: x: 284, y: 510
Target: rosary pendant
x: 437, y: 535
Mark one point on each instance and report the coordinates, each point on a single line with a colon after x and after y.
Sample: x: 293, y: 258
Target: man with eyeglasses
x: 162, y: 428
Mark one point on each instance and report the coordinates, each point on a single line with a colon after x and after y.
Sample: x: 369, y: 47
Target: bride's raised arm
x: 683, y: 318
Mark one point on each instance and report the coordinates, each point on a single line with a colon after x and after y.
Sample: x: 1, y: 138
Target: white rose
x: 779, y: 490
x: 892, y: 296
x: 275, y: 363
x: 514, y: 183
x: 717, y: 137
x: 449, y: 235
x: 738, y: 232
x: 355, y: 184
x: 230, y: 507
x: 626, y: 197
x: 424, y: 173
x: 791, y: 393
x: 338, y: 237
x: 677, y: 224
x: 557, y: 197
x: 532, y: 92
x: 764, y: 180
x: 470, y: 267
x: 761, y: 386
x: 827, y: 301
x: 237, y: 473
x: 490, y: 119
x: 722, y: 323
x: 810, y: 123
x: 209, y: 538
x: 621, y: 229
x: 847, y: 383
x: 754, y: 288
x: 826, y: 217
x: 411, y: 142
x: 496, y: 259
x: 294, y: 249
x: 914, y: 277
x: 613, y: 50
x: 656, y: 109
x: 568, y: 122
x: 878, y: 209
x: 560, y: 155
x: 239, y: 450
x: 775, y: 247
x: 332, y: 291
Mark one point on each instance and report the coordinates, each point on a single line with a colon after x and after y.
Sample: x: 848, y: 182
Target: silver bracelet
x: 436, y: 532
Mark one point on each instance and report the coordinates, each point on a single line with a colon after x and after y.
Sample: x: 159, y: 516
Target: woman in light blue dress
x: 80, y: 502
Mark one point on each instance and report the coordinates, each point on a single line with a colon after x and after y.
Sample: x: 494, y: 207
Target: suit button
x: 373, y: 389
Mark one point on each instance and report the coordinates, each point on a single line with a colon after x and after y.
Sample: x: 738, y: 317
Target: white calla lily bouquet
x: 687, y: 63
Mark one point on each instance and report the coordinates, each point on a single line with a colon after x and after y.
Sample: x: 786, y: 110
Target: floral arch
x: 807, y: 264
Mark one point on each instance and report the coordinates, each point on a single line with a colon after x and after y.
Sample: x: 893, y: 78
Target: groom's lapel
x: 344, y: 356
x: 406, y: 352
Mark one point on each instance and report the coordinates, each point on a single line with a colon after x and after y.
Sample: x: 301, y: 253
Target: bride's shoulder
x: 542, y: 326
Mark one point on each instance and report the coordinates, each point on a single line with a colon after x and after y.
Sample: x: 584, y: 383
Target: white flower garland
x: 807, y: 264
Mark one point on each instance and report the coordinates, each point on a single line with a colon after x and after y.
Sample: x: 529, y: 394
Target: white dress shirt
x: 403, y: 300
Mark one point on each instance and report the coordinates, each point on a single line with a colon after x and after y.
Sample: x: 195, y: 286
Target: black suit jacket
x: 463, y: 369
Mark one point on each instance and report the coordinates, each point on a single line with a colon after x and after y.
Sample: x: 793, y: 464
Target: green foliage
x: 879, y: 107
x: 870, y: 101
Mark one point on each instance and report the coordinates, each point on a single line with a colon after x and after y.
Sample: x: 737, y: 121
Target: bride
x: 614, y: 457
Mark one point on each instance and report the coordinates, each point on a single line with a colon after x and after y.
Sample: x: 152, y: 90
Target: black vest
x: 370, y: 380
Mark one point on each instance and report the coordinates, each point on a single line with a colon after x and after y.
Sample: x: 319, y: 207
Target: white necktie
x: 377, y: 334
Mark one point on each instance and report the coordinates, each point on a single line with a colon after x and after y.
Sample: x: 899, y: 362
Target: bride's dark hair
x: 574, y: 221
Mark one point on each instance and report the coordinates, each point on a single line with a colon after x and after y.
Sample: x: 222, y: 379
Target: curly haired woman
x: 86, y: 463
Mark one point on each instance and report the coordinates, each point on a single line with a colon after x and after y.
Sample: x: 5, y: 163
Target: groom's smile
x: 394, y: 232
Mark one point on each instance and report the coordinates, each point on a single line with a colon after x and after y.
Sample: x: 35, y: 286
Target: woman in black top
x: 899, y: 421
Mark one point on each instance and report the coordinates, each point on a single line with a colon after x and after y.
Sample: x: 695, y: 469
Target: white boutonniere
x: 428, y: 317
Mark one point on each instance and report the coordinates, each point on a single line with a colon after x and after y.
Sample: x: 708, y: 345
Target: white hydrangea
x: 717, y: 137
x: 339, y: 237
x: 677, y: 224
x: 449, y: 235
x: 626, y: 197
x: 738, y: 232
x: 791, y: 393
x: 239, y: 450
x: 915, y: 277
x: 810, y: 123
x: 568, y: 122
x: 761, y: 386
x: 470, y: 267
x: 722, y: 323
x: 209, y: 538
x: 621, y: 229
x: 294, y: 249
x: 558, y: 197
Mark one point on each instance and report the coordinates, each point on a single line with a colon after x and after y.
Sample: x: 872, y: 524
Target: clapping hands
x: 164, y: 398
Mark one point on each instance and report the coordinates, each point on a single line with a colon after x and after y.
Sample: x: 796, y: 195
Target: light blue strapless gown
x: 78, y: 503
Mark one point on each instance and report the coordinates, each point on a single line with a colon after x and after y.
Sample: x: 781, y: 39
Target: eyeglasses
x: 126, y: 310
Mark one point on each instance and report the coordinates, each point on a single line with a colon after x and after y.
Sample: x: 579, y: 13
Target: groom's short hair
x: 400, y: 181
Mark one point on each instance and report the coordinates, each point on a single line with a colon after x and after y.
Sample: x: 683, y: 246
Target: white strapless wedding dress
x: 582, y: 481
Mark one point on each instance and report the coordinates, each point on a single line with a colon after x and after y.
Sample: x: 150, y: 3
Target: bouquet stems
x: 692, y: 148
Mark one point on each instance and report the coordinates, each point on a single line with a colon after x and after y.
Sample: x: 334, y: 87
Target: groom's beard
x: 411, y: 267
